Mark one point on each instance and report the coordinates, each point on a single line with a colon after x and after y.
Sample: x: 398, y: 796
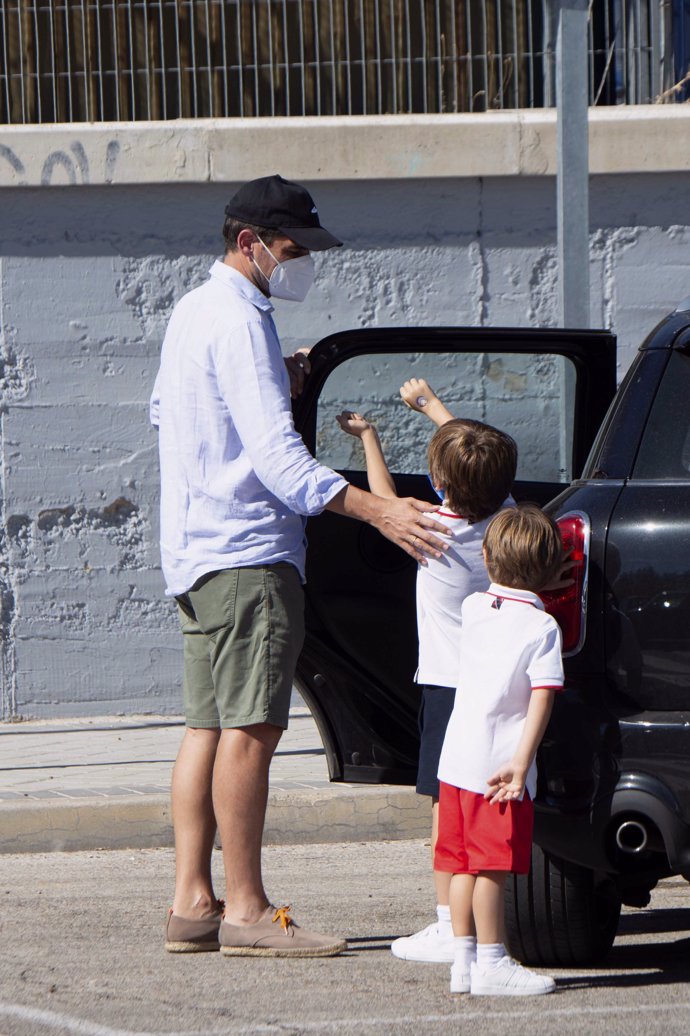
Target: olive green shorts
x: 243, y: 632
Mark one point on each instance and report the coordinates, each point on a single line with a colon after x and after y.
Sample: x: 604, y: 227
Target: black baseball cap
x: 281, y: 205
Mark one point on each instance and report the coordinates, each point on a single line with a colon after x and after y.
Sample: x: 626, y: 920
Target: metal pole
x: 572, y: 95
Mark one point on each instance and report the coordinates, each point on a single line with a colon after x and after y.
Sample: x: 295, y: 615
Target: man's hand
x: 353, y: 423
x: 298, y: 368
x: 419, y: 395
x: 404, y: 522
x: 507, y: 784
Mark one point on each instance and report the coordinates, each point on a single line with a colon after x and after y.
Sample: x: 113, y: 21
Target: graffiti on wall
x: 73, y: 163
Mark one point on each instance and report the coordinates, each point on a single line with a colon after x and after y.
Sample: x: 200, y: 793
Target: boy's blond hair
x: 475, y: 464
x: 523, y: 548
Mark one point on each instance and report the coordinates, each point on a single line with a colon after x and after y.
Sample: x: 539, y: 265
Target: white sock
x: 489, y: 954
x: 443, y: 914
x: 465, y: 951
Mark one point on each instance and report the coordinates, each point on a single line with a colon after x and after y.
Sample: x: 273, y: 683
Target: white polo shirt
x: 236, y: 478
x: 509, y: 647
x: 442, y: 586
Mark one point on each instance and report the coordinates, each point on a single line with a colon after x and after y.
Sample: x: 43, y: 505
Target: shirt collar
x: 508, y: 593
x: 241, y: 284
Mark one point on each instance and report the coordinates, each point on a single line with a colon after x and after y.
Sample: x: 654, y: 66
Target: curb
x: 338, y: 814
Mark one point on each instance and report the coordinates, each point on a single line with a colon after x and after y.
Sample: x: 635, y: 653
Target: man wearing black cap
x: 237, y: 484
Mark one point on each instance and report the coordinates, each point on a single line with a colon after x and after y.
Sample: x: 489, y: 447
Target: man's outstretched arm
x: 405, y: 522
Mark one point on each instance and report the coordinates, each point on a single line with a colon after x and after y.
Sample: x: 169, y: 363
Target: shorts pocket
x: 215, y: 601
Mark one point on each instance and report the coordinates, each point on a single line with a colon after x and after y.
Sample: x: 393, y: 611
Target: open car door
x: 549, y: 389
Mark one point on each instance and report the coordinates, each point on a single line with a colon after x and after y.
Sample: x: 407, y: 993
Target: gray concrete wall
x: 88, y: 277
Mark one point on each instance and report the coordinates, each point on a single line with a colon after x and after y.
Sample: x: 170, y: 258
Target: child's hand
x: 417, y: 394
x: 565, y: 575
x: 506, y: 785
x: 353, y: 423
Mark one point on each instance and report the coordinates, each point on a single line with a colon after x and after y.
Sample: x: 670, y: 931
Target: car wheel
x: 558, y: 915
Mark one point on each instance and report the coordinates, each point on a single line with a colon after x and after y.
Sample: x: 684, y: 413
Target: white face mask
x: 291, y: 279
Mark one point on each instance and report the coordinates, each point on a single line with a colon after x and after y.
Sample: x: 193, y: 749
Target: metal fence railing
x: 98, y: 60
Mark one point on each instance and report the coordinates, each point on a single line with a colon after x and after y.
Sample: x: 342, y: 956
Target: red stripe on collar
x: 504, y: 597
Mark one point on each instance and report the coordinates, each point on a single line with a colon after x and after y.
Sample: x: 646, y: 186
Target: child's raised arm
x: 419, y: 395
x: 380, y: 480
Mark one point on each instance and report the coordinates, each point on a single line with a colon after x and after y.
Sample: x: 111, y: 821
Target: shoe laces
x: 519, y: 974
x: 282, y: 914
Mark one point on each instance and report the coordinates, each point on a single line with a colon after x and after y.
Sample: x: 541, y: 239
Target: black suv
x: 613, y: 801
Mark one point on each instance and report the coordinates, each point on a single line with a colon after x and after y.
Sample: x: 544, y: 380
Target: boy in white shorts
x: 472, y: 467
x: 510, y: 670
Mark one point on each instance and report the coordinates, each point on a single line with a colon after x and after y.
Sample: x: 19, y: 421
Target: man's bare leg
x: 240, y: 794
x: 194, y: 823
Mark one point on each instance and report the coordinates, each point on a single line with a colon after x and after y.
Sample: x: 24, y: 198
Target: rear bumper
x: 588, y: 837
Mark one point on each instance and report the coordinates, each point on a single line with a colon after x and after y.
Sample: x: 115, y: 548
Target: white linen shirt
x: 442, y: 586
x: 509, y: 647
x: 236, y: 478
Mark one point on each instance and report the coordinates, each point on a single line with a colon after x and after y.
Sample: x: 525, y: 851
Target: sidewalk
x: 105, y: 783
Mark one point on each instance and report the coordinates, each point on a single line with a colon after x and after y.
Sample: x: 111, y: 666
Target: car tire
x: 558, y: 915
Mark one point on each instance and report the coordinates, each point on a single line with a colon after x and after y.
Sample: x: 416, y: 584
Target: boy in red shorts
x: 510, y: 670
x: 472, y: 467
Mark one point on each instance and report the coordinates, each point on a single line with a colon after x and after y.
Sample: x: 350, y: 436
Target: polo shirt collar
x: 241, y: 284
x: 508, y: 593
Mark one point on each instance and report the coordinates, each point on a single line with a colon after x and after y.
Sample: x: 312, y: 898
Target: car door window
x: 648, y: 566
x: 665, y: 448
x: 529, y: 396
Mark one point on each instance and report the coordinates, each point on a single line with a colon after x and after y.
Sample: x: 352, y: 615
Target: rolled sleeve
x: 254, y: 386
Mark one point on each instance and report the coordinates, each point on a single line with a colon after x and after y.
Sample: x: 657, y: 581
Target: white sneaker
x: 459, y: 980
x: 428, y: 945
x: 508, y: 978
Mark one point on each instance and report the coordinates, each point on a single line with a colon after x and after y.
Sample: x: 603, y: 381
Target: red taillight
x: 568, y: 605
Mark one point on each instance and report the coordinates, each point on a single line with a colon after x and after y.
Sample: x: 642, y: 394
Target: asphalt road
x: 81, y: 953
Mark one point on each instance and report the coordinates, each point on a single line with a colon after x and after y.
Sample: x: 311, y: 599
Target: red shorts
x: 475, y: 836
